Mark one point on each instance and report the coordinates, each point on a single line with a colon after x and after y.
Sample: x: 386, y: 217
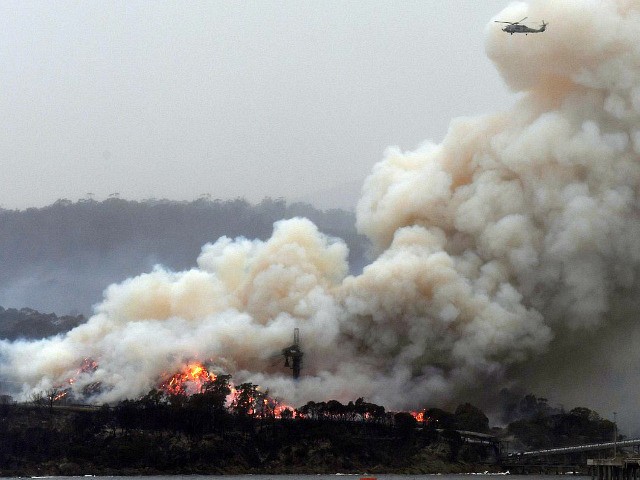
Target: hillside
x: 135, y: 438
x: 61, y: 257
x: 31, y: 324
x: 164, y: 433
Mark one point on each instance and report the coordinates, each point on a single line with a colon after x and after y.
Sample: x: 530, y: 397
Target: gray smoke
x: 518, y: 231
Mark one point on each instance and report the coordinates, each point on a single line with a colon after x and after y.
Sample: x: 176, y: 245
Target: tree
x: 48, y: 397
x: 469, y: 417
x: 309, y: 410
x: 154, y: 398
x: 585, y: 413
x: 127, y: 415
x: 440, y: 419
x: 405, y: 424
x: 217, y: 391
x: 532, y: 406
x: 335, y: 410
x: 244, y: 403
x: 54, y: 395
x: 37, y: 399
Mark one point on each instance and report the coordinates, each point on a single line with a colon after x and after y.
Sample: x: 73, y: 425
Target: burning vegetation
x: 64, y: 392
x: 195, y: 383
x: 192, y: 379
x: 196, y: 380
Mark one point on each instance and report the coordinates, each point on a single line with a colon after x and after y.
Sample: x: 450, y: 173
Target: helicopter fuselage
x: 517, y: 28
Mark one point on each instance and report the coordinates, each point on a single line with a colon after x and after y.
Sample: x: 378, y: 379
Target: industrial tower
x: 293, y: 355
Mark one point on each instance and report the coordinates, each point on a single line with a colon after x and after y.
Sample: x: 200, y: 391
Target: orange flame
x: 60, y: 395
x: 189, y: 381
x: 88, y: 365
x: 419, y: 416
x: 193, y: 377
x: 281, y: 408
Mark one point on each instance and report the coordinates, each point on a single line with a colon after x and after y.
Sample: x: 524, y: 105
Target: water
x: 312, y: 477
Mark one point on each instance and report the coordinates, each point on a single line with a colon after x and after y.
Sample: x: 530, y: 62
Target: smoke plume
x: 516, y: 233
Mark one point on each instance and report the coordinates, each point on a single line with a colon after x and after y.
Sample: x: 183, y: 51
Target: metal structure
x: 615, y: 435
x: 616, y: 468
x: 577, y: 459
x: 590, y: 447
x: 293, y: 355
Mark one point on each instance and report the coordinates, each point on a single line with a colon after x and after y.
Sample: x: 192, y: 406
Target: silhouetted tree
x: 442, y: 419
x: 471, y: 418
x: 309, y: 410
x: 405, y: 424
x: 217, y: 391
x: 532, y: 406
x: 335, y: 410
x: 244, y: 403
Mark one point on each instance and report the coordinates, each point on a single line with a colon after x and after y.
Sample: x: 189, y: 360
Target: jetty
x: 610, y: 463
x: 618, y: 468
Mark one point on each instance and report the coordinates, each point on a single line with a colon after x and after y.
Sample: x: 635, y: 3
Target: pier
x: 603, y: 461
x: 614, y: 468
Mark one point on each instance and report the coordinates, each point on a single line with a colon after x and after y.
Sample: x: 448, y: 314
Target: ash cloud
x: 495, y: 248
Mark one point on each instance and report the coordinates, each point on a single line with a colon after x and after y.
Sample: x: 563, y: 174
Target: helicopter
x: 516, y: 27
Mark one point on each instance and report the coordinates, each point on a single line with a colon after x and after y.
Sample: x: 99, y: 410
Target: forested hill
x: 30, y: 324
x: 61, y: 257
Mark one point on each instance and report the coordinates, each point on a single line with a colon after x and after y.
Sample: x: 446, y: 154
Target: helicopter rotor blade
x: 512, y: 23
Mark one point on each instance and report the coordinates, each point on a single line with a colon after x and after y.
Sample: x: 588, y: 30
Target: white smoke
x: 519, y: 229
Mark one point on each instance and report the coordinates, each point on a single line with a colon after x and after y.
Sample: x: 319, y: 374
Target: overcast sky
x: 234, y: 98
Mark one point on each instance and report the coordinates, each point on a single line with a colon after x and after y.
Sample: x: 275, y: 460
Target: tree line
x: 62, y: 256
x: 205, y: 433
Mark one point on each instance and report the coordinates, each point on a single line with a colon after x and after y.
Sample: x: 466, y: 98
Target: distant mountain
x: 30, y: 324
x: 61, y: 257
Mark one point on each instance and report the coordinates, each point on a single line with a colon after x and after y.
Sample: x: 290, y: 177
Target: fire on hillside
x: 195, y: 378
x: 190, y: 380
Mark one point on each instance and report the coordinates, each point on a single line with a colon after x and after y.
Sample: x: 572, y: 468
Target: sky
x: 295, y: 99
